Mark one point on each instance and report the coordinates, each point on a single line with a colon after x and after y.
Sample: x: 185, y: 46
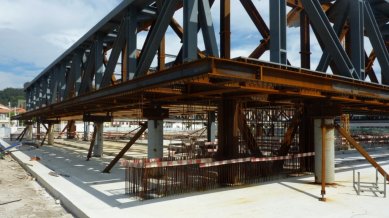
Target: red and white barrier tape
x: 261, y: 159
x: 224, y: 162
x: 255, y: 159
x: 205, y: 162
x: 158, y: 163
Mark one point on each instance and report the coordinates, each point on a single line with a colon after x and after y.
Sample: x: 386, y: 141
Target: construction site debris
x: 8, y: 202
x: 34, y: 201
x: 52, y: 173
x: 35, y: 158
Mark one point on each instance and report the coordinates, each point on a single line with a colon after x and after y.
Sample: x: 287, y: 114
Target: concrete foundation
x: 155, y: 139
x: 98, y: 147
x: 329, y: 137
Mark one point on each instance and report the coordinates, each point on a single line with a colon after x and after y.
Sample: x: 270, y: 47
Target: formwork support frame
x: 125, y: 148
x: 361, y: 150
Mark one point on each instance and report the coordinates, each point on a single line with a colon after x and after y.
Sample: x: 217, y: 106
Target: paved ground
x: 22, y: 196
x: 87, y: 192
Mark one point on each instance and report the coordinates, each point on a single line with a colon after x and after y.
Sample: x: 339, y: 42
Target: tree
x: 11, y: 95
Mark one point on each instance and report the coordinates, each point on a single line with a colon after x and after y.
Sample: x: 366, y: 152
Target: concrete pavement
x: 87, y: 192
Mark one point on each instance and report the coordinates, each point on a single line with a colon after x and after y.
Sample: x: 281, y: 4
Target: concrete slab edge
x: 66, y: 203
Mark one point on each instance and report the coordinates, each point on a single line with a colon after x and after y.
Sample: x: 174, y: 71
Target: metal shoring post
x: 385, y: 181
x: 354, y: 178
x: 359, y: 183
x: 376, y: 178
x: 323, y: 162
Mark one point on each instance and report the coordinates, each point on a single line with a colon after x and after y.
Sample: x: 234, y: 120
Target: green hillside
x: 11, y: 95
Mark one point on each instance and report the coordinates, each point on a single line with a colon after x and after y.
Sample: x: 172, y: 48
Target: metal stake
x: 376, y: 178
x: 323, y: 162
x: 359, y: 183
x: 385, y: 181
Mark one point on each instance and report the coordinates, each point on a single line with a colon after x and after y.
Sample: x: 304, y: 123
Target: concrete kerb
x: 65, y: 202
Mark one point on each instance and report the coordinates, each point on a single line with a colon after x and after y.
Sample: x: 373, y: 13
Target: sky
x: 33, y: 33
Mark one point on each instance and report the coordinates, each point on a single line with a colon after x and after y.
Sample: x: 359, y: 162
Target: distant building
x: 6, y: 112
x: 4, y: 116
x: 22, y: 103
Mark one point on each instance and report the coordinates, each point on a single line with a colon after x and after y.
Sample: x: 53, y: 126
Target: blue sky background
x: 33, y: 33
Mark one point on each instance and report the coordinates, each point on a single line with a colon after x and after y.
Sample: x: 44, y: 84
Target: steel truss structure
x: 105, y: 72
x: 87, y: 72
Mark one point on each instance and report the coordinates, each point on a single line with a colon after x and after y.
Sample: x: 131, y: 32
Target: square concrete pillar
x: 50, y: 139
x: 155, y: 139
x: 99, y: 142
x: 29, y: 132
x: 211, y: 127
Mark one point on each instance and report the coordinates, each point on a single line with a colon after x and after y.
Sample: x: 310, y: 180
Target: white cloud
x: 12, y: 80
x: 26, y: 48
x: 35, y: 33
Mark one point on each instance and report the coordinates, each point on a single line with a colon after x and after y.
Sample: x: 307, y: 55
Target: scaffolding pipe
x: 385, y: 178
x: 359, y: 183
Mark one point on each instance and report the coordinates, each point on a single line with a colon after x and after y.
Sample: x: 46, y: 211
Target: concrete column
x: 155, y: 139
x: 38, y: 131
x: 86, y: 131
x: 71, y: 130
x: 98, y: 147
x: 50, y: 137
x: 29, y: 132
x: 329, y: 137
x: 227, y: 129
x: 211, y: 127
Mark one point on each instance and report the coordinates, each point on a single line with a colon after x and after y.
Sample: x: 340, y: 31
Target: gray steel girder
x: 190, y: 30
x: 207, y: 28
x: 331, y: 42
x: 154, y: 37
x: 278, y: 31
x: 373, y: 32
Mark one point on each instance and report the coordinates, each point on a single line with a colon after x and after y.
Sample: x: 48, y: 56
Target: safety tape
x: 205, y: 162
x: 262, y: 159
x: 154, y: 163
x: 256, y: 159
